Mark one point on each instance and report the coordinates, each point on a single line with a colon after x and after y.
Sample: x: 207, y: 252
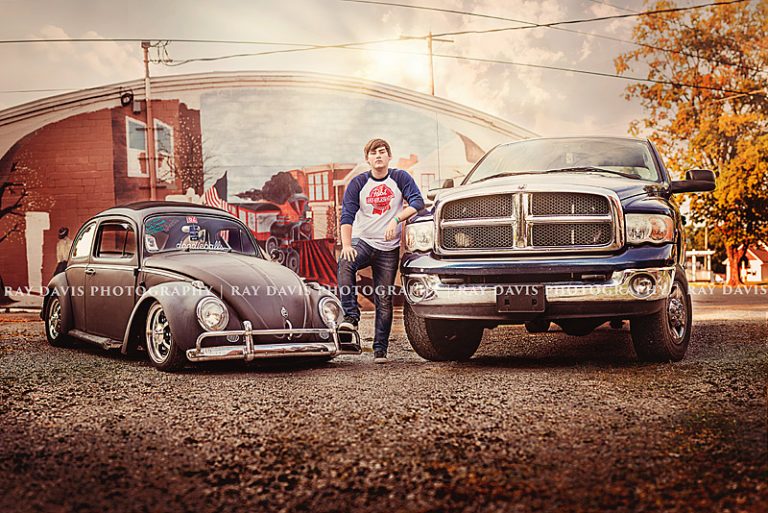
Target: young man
x: 371, y: 219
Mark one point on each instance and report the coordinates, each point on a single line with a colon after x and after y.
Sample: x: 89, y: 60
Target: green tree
x: 708, y: 108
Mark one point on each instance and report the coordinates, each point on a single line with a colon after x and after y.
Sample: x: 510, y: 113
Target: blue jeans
x: 384, y: 267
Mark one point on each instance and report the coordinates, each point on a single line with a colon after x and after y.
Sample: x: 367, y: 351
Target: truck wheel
x: 439, y: 340
x: 164, y: 352
x: 664, y: 336
x: 53, y: 324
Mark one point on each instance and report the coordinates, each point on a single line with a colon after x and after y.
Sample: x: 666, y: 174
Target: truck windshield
x: 180, y: 232
x: 624, y: 157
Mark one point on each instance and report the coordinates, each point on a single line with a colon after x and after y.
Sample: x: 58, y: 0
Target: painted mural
x: 279, y: 158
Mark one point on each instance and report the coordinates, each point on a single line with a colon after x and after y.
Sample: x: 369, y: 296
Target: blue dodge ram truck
x: 576, y: 231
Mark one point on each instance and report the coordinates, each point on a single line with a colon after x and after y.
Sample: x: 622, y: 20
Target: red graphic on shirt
x: 380, y: 197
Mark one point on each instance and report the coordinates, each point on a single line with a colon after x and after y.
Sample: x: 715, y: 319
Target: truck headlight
x: 212, y: 314
x: 654, y: 228
x: 420, y: 236
x: 330, y: 311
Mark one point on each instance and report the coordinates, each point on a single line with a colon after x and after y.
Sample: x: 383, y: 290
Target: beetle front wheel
x: 164, y: 352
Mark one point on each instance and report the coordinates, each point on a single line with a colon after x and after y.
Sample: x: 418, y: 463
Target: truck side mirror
x: 696, y: 180
x: 432, y: 193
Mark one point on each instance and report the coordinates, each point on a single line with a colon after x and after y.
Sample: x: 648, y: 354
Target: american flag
x: 216, y: 195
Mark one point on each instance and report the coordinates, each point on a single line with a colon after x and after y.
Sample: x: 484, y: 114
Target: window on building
x: 136, y: 143
x: 427, y: 181
x: 318, y: 186
x: 164, y: 151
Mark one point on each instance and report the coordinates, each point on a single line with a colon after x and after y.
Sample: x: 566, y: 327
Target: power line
x: 530, y: 24
x: 558, y: 23
x: 512, y: 63
x: 140, y: 39
x: 612, y: 5
x: 38, y: 90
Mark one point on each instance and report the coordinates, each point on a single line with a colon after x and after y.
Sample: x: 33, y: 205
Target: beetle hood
x: 261, y: 291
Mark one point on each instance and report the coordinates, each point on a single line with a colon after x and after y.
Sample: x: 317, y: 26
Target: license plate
x: 520, y: 298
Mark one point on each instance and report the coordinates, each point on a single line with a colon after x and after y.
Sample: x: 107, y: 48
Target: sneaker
x: 379, y: 357
x: 348, y: 324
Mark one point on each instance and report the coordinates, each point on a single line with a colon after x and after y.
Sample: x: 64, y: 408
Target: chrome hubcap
x: 677, y: 314
x: 158, y: 334
x: 54, y: 319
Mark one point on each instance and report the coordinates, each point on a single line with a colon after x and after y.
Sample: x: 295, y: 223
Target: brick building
x: 71, y: 169
x: 67, y: 157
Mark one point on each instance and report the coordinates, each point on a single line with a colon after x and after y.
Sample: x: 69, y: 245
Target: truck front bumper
x: 628, y: 292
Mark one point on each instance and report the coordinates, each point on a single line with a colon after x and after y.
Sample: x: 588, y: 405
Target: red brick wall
x: 67, y: 170
x: 76, y: 168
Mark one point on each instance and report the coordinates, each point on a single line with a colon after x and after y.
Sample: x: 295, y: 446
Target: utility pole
x: 431, y: 64
x: 429, y: 39
x: 150, y: 125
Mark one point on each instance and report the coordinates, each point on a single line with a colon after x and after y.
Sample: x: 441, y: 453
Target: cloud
x: 64, y: 65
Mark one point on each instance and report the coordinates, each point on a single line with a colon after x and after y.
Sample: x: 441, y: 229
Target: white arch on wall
x: 18, y: 121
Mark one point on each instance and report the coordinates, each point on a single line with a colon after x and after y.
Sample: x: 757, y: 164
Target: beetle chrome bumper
x: 251, y: 351
x: 428, y: 290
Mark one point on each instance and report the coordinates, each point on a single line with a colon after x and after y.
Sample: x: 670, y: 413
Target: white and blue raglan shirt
x: 370, y: 204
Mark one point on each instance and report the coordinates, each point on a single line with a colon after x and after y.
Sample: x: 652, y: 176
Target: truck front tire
x: 441, y: 340
x: 664, y: 336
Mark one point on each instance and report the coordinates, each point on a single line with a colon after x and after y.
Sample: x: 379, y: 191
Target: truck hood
x: 256, y: 289
x: 624, y: 187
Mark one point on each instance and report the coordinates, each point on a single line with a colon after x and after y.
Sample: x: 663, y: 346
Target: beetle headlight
x: 330, y: 311
x: 420, y: 236
x: 654, y: 228
x: 212, y: 314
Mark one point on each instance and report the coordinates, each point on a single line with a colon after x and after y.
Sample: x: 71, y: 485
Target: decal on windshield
x: 151, y: 243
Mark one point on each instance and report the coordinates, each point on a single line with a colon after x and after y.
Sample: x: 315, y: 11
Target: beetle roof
x: 139, y: 210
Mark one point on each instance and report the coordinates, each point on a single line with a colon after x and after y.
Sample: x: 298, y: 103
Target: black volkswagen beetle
x: 189, y: 284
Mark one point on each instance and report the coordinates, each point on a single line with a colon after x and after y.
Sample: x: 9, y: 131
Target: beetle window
x: 82, y: 244
x: 174, y: 232
x: 116, y: 240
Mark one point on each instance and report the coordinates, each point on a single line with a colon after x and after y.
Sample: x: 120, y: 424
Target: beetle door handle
x: 90, y: 271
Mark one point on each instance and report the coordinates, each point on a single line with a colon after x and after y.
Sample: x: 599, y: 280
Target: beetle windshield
x: 179, y: 232
x: 622, y: 157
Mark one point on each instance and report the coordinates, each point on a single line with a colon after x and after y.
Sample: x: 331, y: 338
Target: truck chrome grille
x: 556, y: 235
x: 479, y: 207
x: 530, y: 221
x: 484, y: 237
x: 568, y: 203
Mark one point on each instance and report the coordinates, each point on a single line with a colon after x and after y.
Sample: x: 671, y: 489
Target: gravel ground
x: 545, y: 422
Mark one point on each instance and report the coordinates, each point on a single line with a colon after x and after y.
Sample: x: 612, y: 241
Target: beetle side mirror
x: 696, y: 180
x: 432, y: 193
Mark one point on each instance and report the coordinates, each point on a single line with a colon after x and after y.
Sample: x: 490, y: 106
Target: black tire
x: 53, y: 324
x: 664, y: 336
x: 439, y: 340
x: 164, y: 353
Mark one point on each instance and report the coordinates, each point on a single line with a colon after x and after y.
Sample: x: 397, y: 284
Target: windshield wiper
x: 579, y: 169
x: 499, y: 175
x: 591, y: 169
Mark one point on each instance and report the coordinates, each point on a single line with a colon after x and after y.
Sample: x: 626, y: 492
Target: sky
x: 547, y: 102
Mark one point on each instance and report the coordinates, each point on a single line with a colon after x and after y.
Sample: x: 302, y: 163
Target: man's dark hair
x: 375, y: 144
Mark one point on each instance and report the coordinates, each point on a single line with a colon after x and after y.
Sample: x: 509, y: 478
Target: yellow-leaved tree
x: 707, y: 108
